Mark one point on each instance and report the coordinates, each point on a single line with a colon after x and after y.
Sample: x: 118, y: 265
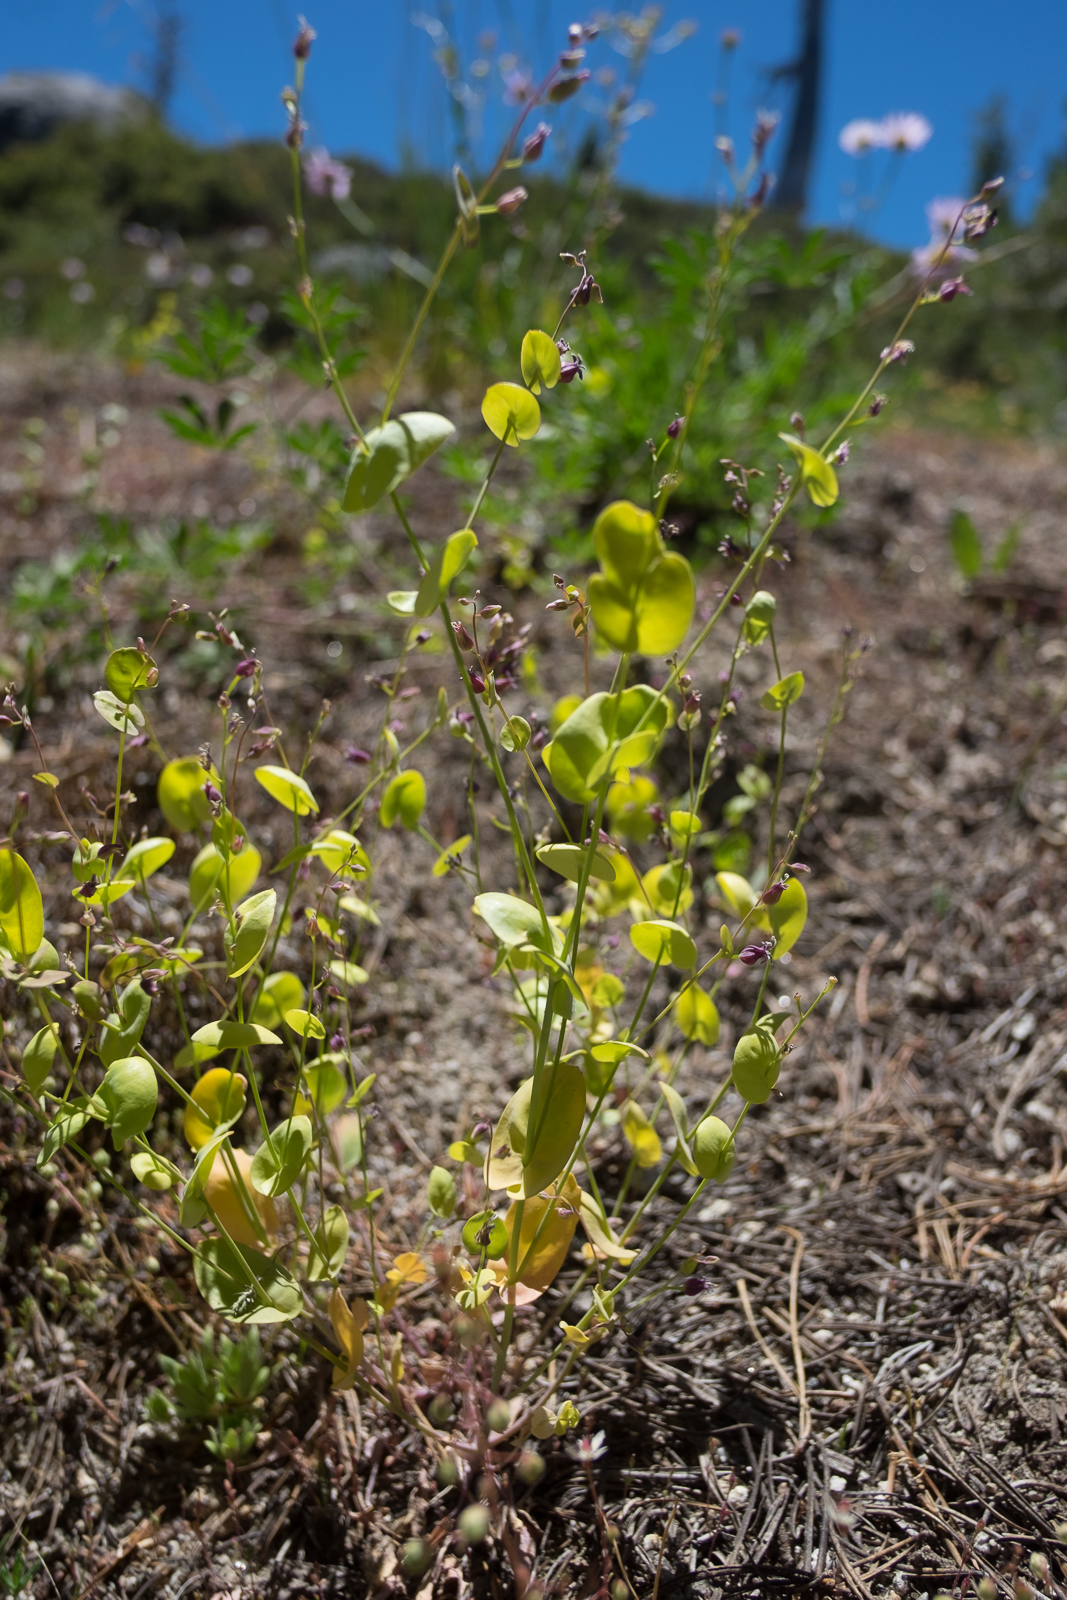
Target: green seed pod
x: 530, y: 1467
x: 757, y: 1063
x: 498, y: 1416
x: 713, y: 1149
x: 416, y: 1557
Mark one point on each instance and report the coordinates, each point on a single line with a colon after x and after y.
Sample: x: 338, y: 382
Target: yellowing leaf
x: 641, y: 1136
x: 737, y: 892
x: 348, y: 1325
x: 816, y: 473
x: 219, y: 1098
x: 697, y: 1015
x: 21, y: 906
x: 602, y: 1242
x: 404, y: 800
x: 236, y: 1204
x: 786, y: 918
x: 545, y: 1234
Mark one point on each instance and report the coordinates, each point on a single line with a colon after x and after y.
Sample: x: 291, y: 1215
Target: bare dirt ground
x: 870, y: 1395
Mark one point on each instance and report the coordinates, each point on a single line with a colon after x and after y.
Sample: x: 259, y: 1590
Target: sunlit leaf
x: 128, y: 671
x: 305, y: 1024
x: 545, y: 1234
x: 816, y: 473
x: 21, y: 906
x: 154, y: 1171
x: 37, y: 1057
x: 757, y: 1063
x: 446, y: 565
x: 219, y: 1100
x: 117, y: 714
x: 786, y: 692
x: 697, y: 1015
x: 254, y: 918
x: 449, y: 858
x: 539, y: 360
x: 146, y: 857
x: 281, y: 992
x: 326, y: 1257
x: 391, y: 453
x: 180, y: 793
x: 786, y: 918
x: 244, y: 1285
x: 348, y: 1326
x: 641, y: 1136
x: 288, y: 788
x: 511, y: 412
x: 441, y: 1192
x: 662, y: 941
x: 280, y: 1159
x: 556, y: 1114
x: 233, y: 878
x: 234, y: 1035
x: 130, y: 1092
x: 568, y: 860
x: 245, y: 1213
x: 713, y: 1149
x: 404, y: 800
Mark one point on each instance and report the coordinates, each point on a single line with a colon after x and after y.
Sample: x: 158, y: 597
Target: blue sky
x: 374, y: 89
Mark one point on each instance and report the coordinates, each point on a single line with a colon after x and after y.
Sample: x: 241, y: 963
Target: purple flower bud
x: 798, y: 866
x: 534, y: 143
x: 796, y: 422
x: 763, y: 132
x: 950, y: 289
x: 735, y: 697
x: 464, y: 638
x: 246, y: 668
x: 725, y: 146
x: 842, y: 453
x: 758, y: 197
x: 337, y: 1041
x: 574, y: 368
x: 658, y: 815
x: 574, y: 33
x: 877, y: 406
x: 511, y: 201
x: 358, y: 757
x: 772, y: 894
x: 476, y: 680
x: 754, y: 955
x: 304, y: 40
x: 900, y: 351
x: 695, y: 1286
x: 213, y: 795
x: 674, y: 428
x: 730, y: 38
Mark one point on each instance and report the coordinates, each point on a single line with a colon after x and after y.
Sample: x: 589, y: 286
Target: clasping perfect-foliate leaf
x: 38, y: 1056
x: 288, y: 788
x: 662, y: 941
x: 341, y: 852
x: 713, y: 1149
x: 154, y: 1171
x: 122, y: 1031
x: 567, y: 860
x: 446, y: 565
x: 234, y: 1035
x: 441, y: 1192
x: 326, y: 1256
x: 243, y: 1284
x: 181, y: 793
x: 218, y: 1101
x: 390, y: 454
x: 697, y: 1015
x: 467, y: 205
x: 146, y: 857
x: 254, y: 918
x: 232, y: 877
x: 130, y: 1092
x: 21, y: 906
x: 404, y: 800
x: 786, y: 918
x: 557, y: 1111
x: 598, y: 739
x: 515, y: 734
x: 128, y: 671
x: 280, y: 1159
x: 816, y: 473
x: 281, y: 992
x: 759, y: 616
x: 511, y: 412
x: 305, y: 1024
x: 118, y: 714
x: 643, y: 596
x: 786, y: 692
x: 514, y: 921
x: 67, y: 1123
x: 545, y: 1234
x: 680, y: 1118
x: 757, y: 1063
x: 539, y: 360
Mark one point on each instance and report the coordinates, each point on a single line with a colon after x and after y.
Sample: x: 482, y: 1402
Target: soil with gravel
x: 869, y: 1394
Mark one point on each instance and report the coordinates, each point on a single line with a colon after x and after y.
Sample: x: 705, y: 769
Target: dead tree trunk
x: 792, y: 191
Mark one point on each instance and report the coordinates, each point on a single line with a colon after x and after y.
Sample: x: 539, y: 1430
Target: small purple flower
x: 517, y: 86
x: 695, y: 1286
x: 304, y: 40
x: 213, y: 795
x: 674, y: 428
x: 326, y: 176
x: 950, y: 289
x: 534, y: 143
x: 754, y: 955
x: 900, y: 351
x: 877, y: 406
x: 573, y: 368
x: 337, y: 1041
x: 511, y: 201
x: 462, y: 636
x: 842, y: 453
x: 763, y: 132
x: 772, y: 894
x: 246, y: 668
x: 358, y: 757
x: 476, y: 679
x: 725, y: 146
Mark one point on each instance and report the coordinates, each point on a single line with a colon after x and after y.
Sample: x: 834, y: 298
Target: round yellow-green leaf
x: 713, y: 1149
x: 568, y: 860
x: 305, y: 1024
x: 663, y: 941
x: 288, y: 788
x: 280, y: 993
x: 539, y: 360
x: 146, y: 857
x: 697, y: 1015
x: 233, y: 878
x: 404, y: 800
x: 218, y: 1101
x: 180, y: 793
x: 511, y: 412
x: 786, y: 919
x: 21, y: 906
x: 130, y: 1092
